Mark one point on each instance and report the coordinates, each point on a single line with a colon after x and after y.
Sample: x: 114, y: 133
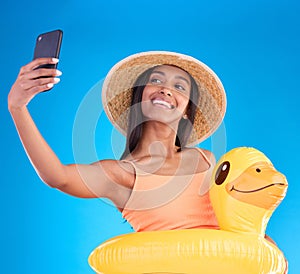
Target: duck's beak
x: 260, y: 185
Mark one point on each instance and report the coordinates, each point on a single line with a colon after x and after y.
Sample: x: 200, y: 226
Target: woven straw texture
x: 117, y: 90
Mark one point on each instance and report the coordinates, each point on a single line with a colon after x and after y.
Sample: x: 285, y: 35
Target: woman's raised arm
x: 103, y: 179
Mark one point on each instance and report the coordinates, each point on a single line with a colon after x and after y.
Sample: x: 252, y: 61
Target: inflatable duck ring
x: 245, y: 190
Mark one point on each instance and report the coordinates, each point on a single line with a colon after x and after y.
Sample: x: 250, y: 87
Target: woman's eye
x: 155, y: 81
x: 179, y: 87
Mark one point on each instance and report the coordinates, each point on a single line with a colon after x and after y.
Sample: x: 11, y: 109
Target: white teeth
x: 163, y: 103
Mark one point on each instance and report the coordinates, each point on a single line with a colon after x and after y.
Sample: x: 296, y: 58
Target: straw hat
x: 117, y: 90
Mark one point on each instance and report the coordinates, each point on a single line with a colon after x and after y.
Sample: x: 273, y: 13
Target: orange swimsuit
x: 162, y: 202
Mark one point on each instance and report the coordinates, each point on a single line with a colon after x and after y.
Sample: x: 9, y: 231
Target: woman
x: 155, y: 99
x: 168, y: 104
x: 164, y: 102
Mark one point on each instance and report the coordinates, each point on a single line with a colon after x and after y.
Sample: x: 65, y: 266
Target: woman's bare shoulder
x: 209, y: 155
x: 118, y: 171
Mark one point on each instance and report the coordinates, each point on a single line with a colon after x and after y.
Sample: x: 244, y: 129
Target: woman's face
x: 166, y: 95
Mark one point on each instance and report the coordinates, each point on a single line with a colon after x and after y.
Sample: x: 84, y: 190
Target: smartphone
x: 48, y: 45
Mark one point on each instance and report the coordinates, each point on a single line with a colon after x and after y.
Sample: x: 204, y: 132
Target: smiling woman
x: 169, y: 88
x: 127, y: 79
x: 164, y: 102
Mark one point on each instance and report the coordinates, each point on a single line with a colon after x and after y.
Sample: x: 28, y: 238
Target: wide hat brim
x: 118, y: 84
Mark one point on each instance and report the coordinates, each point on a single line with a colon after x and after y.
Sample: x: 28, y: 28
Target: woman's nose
x: 165, y: 91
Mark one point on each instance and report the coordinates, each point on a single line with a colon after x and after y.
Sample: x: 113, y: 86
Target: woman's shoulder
x: 120, y: 171
x: 210, y: 156
x: 207, y: 155
x: 206, y: 152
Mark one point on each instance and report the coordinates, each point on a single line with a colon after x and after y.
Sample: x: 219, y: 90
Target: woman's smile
x: 162, y: 102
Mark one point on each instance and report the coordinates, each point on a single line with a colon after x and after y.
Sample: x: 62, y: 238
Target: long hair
x: 136, y: 117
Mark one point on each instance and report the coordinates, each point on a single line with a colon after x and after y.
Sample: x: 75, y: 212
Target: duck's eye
x: 222, y: 173
x: 258, y: 170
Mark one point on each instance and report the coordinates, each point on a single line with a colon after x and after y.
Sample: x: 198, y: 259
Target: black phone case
x: 48, y: 45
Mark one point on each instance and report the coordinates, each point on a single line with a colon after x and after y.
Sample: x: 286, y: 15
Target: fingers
x: 31, y: 81
x: 37, y: 80
x: 42, y: 73
x: 38, y: 85
x: 37, y: 62
x: 39, y: 88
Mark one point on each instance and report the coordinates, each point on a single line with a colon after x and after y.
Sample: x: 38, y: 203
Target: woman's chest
x: 181, y: 164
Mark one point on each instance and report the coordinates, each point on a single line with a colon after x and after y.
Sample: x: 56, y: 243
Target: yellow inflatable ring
x: 245, y: 190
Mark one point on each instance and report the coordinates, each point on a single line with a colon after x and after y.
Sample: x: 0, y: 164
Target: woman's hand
x: 32, y: 81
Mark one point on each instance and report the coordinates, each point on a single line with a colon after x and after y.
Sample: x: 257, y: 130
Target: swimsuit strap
x: 204, y: 156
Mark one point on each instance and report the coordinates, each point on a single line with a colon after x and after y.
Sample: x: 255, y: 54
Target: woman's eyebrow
x: 183, y: 78
x: 158, y: 72
x: 177, y: 76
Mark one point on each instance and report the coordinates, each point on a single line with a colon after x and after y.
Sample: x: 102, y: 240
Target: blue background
x: 252, y: 45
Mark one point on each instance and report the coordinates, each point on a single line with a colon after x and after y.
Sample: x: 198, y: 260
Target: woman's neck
x: 157, y: 139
